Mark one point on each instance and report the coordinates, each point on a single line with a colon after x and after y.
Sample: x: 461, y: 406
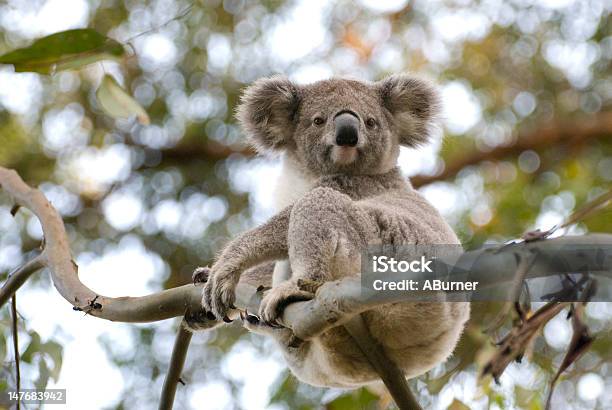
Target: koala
x: 340, y: 191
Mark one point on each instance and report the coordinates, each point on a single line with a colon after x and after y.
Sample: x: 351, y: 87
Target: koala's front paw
x: 219, y: 291
x: 277, y: 298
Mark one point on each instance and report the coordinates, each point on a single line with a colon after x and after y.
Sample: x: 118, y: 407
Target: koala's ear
x: 414, y: 104
x: 267, y: 112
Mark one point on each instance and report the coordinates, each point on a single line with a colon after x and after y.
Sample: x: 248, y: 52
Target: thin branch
x: 19, y: 276
x: 391, y: 375
x: 16, y: 348
x: 179, y: 16
x: 520, y: 337
x: 588, y: 209
x: 574, y: 132
x: 211, y: 151
x: 578, y: 215
x: 177, y: 361
x: 580, y: 342
x: 558, y: 132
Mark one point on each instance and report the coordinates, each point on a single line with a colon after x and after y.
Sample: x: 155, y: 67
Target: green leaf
x: 33, y: 347
x: 117, y: 103
x: 43, y: 375
x: 65, y: 50
x: 54, y: 351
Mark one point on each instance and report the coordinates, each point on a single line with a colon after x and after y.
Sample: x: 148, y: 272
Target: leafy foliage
x: 67, y: 50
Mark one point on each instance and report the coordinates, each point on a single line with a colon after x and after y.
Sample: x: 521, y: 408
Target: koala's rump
x: 416, y: 336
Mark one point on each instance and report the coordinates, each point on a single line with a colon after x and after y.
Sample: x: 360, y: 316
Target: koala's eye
x: 371, y: 123
x: 318, y: 121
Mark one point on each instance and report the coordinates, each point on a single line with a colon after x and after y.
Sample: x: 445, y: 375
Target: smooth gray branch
x: 19, y: 276
x: 64, y: 272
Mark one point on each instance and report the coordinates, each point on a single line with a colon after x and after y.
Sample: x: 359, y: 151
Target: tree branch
x: 177, y: 361
x: 336, y: 303
x: 577, y: 131
x: 210, y: 150
x: 64, y: 272
x: 16, y: 348
x: 391, y: 375
x: 19, y: 276
x: 574, y: 132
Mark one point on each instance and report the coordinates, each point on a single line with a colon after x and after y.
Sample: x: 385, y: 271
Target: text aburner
x: 434, y: 284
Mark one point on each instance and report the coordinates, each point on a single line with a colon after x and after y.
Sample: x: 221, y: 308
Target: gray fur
x: 266, y: 112
x: 346, y: 205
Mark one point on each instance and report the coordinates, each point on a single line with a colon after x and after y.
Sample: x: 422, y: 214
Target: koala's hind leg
x: 326, y: 233
x: 282, y: 272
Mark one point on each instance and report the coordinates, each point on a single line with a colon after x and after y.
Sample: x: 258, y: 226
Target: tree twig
x: 519, y: 338
x: 574, y: 132
x: 177, y: 361
x: 179, y: 16
x: 587, y: 209
x: 19, y: 276
x: 580, y: 342
x: 16, y: 348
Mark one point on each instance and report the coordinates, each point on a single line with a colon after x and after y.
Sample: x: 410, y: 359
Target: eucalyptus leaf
x: 53, y: 350
x: 33, y: 347
x: 117, y: 103
x: 43, y: 375
x: 65, y: 50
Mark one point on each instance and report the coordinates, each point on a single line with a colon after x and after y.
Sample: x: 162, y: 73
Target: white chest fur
x: 292, y: 184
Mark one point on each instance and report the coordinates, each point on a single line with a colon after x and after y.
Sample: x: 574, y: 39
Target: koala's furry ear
x: 267, y: 112
x: 414, y: 104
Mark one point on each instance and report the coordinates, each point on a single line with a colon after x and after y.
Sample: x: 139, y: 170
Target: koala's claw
x: 200, y: 274
x: 219, y: 295
x: 194, y: 320
x: 277, y: 298
x: 251, y: 319
x: 198, y: 320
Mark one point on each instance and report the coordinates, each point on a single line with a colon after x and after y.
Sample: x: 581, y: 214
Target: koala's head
x: 339, y: 125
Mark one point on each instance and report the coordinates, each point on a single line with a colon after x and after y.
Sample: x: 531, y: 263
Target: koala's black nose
x: 347, y: 129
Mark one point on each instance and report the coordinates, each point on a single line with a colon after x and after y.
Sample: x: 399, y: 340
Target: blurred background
x: 527, y: 93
